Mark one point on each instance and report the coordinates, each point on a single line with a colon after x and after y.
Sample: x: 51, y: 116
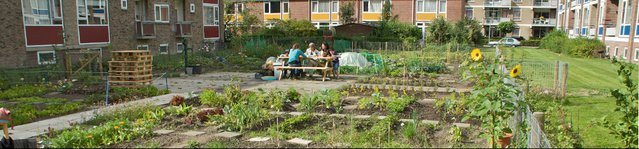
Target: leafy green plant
x: 455, y: 136
x: 626, y: 99
x: 346, y: 13
x: 238, y: 117
x: 332, y: 99
x: 382, y: 129
x: 192, y: 144
x: 398, y: 105
x: 438, y: 31
x: 289, y: 124
x: 292, y: 95
x: 309, y: 102
x: 506, y: 27
x: 26, y: 91
x: 180, y: 110
x: 212, y: 98
x: 215, y: 144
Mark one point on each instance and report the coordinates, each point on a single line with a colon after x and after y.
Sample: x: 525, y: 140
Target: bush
x: 438, y: 31
x: 555, y: 41
x: 211, y: 98
x: 531, y: 42
x: 584, y: 47
x: 26, y: 91
x: 558, y: 42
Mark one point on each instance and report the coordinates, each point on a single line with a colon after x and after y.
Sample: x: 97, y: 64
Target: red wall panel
x: 211, y: 1
x: 211, y: 32
x: 94, y: 34
x: 44, y: 35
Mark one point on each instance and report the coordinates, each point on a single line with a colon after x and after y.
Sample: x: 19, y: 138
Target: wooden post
x: 565, y: 81
x: 539, y: 116
x: 67, y: 65
x: 633, y: 28
x: 555, y: 83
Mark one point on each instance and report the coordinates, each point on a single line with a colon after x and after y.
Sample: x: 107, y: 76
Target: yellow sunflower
x: 121, y: 123
x: 475, y: 54
x: 515, y: 71
x: 115, y: 127
x: 89, y: 136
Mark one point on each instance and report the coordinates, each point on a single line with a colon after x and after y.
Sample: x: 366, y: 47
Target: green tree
x: 439, y: 31
x: 387, y: 13
x: 506, y: 27
x: 346, y: 13
x: 626, y: 98
x: 467, y: 31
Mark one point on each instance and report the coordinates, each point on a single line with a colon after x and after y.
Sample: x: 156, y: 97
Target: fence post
x: 555, y: 83
x: 107, y: 92
x: 565, y: 81
x: 539, y: 116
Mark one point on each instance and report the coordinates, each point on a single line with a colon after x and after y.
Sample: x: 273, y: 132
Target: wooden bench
x: 325, y: 70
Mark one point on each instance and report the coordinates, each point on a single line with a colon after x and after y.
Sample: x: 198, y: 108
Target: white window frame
x: 333, y: 4
x: 177, y: 47
x: 616, y: 52
x: 286, y: 9
x: 370, y: 5
x: 317, y: 9
x: 159, y: 18
x: 636, y: 53
x: 163, y: 45
x: 53, y: 15
x: 142, y: 46
x: 424, y: 6
x: 607, y: 51
x: 518, y: 31
x: 472, y: 12
x: 124, y: 4
x: 86, y: 9
x: 517, y: 18
x: 192, y: 8
x: 216, y: 18
x: 270, y: 5
x: 417, y: 8
x: 439, y: 2
x: 625, y: 53
x: 40, y: 62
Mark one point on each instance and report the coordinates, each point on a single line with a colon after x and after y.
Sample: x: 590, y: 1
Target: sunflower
x: 89, y: 136
x: 475, y: 54
x: 515, y: 71
x: 121, y: 123
x: 115, y: 127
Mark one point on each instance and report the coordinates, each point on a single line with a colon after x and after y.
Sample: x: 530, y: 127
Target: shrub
x: 558, y: 42
x: 555, y: 41
x: 399, y: 104
x: 211, y: 98
x: 467, y: 31
x: 240, y: 116
x: 438, y: 31
x: 531, y: 42
x: 584, y: 47
x: 177, y: 100
x: 26, y: 91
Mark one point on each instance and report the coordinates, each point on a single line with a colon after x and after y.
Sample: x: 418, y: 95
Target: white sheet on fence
x: 353, y: 59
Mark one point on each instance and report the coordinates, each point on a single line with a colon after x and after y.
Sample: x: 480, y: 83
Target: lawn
x: 589, y: 82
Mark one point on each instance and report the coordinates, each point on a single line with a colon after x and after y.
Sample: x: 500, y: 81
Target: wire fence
x: 552, y: 76
x: 533, y: 133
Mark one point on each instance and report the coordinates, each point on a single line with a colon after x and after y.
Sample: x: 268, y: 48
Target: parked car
x: 506, y: 42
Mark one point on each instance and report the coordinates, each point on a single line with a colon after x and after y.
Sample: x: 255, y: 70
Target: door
x: 179, y: 4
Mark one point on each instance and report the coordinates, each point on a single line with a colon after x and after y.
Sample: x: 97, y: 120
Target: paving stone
x: 352, y: 98
x: 227, y: 134
x: 406, y: 120
x: 163, y: 131
x: 426, y: 101
x: 299, y: 141
x: 319, y: 114
x: 361, y: 116
x: 296, y: 113
x: 350, y: 107
x: 296, y: 105
x: 430, y: 122
x: 462, y: 125
x: 275, y: 112
x: 259, y: 139
x: 381, y: 117
x: 343, y: 145
x: 192, y: 133
x: 337, y: 115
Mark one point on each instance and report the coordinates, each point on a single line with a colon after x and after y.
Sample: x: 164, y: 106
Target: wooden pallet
x: 131, y: 68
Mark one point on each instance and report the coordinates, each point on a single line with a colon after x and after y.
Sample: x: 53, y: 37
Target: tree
x: 438, y: 31
x: 506, y: 27
x: 387, y: 14
x: 346, y: 13
x: 467, y: 31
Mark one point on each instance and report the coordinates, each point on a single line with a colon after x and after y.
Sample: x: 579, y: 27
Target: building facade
x: 39, y: 32
x: 533, y: 18
x: 610, y: 21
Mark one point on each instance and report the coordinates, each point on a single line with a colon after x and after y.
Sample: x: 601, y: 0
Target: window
x: 420, y: 6
x: 442, y: 6
x: 335, y: 6
x: 46, y: 57
x: 516, y: 32
x: 140, y: 10
x: 372, y: 5
x: 626, y: 13
x: 469, y: 13
x: 211, y: 15
x: 180, y: 47
x: 285, y: 8
x: 237, y: 8
x: 272, y: 7
x: 586, y: 17
x: 192, y: 8
x: 625, y: 53
x: 162, y: 13
x: 164, y: 49
x: 517, y: 1
x: 430, y: 5
x: 636, y: 54
x: 92, y: 12
x: 607, y: 51
x: 321, y: 6
x: 124, y: 4
x: 616, y: 51
x: 143, y: 47
x: 516, y: 13
x: 42, y: 12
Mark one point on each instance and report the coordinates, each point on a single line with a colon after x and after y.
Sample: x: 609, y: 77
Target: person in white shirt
x: 311, y: 51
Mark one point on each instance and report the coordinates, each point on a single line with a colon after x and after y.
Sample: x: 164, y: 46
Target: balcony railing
x: 183, y: 29
x: 545, y: 21
x: 546, y: 4
x: 611, y: 31
x: 500, y: 3
x: 145, y: 29
x: 495, y: 21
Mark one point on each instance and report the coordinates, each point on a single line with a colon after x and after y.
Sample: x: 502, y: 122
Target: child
x: 335, y: 57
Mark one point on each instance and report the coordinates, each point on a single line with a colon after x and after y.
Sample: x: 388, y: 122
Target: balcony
x: 545, y: 22
x: 183, y: 29
x: 498, y: 3
x: 495, y: 21
x: 145, y: 29
x: 551, y: 4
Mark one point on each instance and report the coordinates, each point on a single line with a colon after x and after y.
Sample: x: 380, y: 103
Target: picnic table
x: 324, y: 69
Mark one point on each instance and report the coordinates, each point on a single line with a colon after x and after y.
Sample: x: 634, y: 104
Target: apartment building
x: 325, y: 13
x: 607, y: 20
x: 40, y: 32
x: 533, y: 18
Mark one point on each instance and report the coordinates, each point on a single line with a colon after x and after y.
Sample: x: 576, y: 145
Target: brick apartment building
x: 533, y: 18
x: 41, y: 31
x: 607, y: 20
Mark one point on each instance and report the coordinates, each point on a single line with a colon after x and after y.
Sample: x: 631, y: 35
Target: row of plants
x: 107, y: 133
x: 393, y: 103
x: 27, y: 91
x: 429, y: 81
x: 30, y: 109
x: 558, y: 42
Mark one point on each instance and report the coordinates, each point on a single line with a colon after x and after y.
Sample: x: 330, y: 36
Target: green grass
x: 589, y: 82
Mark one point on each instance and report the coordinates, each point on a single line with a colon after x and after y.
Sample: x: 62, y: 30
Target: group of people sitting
x: 294, y: 54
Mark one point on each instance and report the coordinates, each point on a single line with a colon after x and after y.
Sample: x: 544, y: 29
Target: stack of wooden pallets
x: 130, y: 68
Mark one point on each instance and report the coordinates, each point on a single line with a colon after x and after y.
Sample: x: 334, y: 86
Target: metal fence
x: 552, y: 76
x: 532, y: 132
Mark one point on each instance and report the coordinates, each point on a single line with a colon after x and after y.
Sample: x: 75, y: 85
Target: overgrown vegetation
x: 558, y: 42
